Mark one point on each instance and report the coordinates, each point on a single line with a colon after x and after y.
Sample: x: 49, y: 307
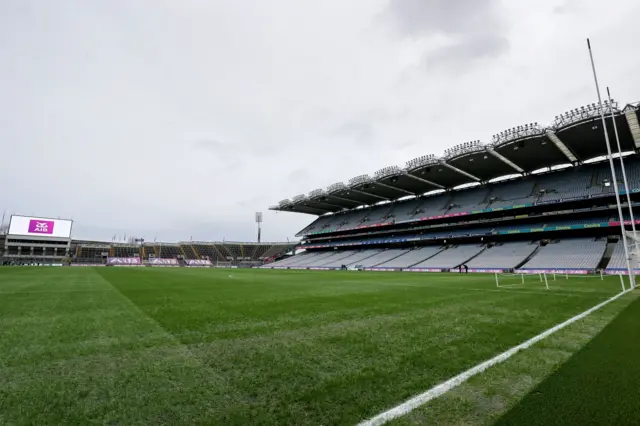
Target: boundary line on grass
x: 444, y: 387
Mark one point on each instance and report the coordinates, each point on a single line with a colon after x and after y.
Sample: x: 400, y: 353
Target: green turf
x: 194, y: 346
x: 598, y: 386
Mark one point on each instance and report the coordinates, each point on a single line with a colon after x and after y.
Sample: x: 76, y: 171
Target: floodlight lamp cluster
x: 298, y: 198
x: 336, y: 187
x: 358, y: 180
x: 316, y: 193
x: 284, y: 202
x: 388, y: 171
x: 421, y: 161
x: 588, y: 110
x: 463, y: 148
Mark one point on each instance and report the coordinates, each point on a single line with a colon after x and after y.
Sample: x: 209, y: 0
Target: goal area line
x: 444, y: 387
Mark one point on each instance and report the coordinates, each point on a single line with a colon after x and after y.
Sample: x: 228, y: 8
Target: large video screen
x: 39, y: 227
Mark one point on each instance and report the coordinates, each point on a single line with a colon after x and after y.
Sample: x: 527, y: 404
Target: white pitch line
x: 438, y: 390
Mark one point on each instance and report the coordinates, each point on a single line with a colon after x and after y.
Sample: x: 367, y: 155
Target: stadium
x: 536, y: 199
x: 513, y: 307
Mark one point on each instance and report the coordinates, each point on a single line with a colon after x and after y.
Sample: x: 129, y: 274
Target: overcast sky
x: 181, y: 118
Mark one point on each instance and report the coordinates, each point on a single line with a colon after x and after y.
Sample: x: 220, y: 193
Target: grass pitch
x: 205, y: 346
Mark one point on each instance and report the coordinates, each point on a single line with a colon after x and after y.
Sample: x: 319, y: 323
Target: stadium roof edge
x: 572, y: 138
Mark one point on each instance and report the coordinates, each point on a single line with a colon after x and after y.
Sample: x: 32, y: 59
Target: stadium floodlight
x: 285, y: 202
x: 316, y: 193
x: 359, y: 180
x: 299, y: 198
x: 336, y: 187
x: 613, y: 171
x: 388, y: 171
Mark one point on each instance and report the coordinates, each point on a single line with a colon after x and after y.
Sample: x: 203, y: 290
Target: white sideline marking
x: 438, y: 390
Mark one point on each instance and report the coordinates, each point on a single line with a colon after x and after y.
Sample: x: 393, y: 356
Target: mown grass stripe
x: 597, y: 386
x: 421, y: 399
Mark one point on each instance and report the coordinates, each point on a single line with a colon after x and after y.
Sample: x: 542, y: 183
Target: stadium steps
x: 195, y: 252
x: 393, y: 258
x: 606, y: 257
x: 426, y: 258
x: 608, y: 253
x: 528, y: 258
x: 472, y: 257
x: 184, y: 255
x: 374, y: 252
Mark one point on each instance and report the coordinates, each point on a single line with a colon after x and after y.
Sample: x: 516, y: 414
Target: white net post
x: 497, y: 283
x: 621, y: 281
x: 540, y: 275
x: 546, y: 283
x: 522, y: 278
x: 554, y: 276
x: 601, y: 275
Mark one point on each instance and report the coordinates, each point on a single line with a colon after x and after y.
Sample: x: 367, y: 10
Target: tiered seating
x: 225, y: 252
x: 574, y: 183
x: 303, y: 259
x: 234, y: 249
x: 276, y: 250
x: 512, y: 193
x: 411, y: 258
x: 468, y: 200
x: 382, y: 257
x: 349, y: 258
x: 618, y: 259
x: 126, y: 251
x: 168, y: 251
x: 260, y: 251
x: 90, y: 254
x: 578, y: 253
x: 503, y: 256
x: 451, y: 257
x: 210, y: 251
x: 188, y: 251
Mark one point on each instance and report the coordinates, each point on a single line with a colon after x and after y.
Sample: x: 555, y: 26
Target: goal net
x: 509, y: 280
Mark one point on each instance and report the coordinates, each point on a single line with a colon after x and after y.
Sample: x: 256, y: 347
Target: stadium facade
x: 534, y: 199
x: 48, y: 241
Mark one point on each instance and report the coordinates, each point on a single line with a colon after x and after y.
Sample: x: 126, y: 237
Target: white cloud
x: 178, y: 119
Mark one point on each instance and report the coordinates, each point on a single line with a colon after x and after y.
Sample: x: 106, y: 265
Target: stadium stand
x: 411, y: 258
x: 451, y: 257
x: 503, y: 255
x: 535, y: 197
x: 578, y: 253
x: 188, y: 251
x: 169, y: 251
x: 618, y: 260
x: 125, y: 251
x: 382, y: 257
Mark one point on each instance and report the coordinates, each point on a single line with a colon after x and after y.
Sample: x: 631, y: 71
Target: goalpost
x: 507, y: 280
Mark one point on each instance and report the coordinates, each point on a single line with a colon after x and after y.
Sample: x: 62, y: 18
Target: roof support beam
x: 348, y: 200
x: 395, y: 189
x: 505, y: 160
x: 381, y: 198
x: 634, y: 127
x: 437, y: 185
x: 561, y: 146
x: 462, y: 172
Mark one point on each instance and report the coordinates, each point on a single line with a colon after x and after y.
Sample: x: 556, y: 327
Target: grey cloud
x: 473, y: 29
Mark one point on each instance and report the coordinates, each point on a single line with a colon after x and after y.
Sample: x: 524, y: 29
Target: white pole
x: 546, y: 283
x: 566, y: 275
x: 554, y: 276
x: 497, y: 284
x: 627, y: 190
x: 522, y: 278
x: 601, y: 276
x: 540, y: 276
x: 613, y: 171
x: 621, y: 281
